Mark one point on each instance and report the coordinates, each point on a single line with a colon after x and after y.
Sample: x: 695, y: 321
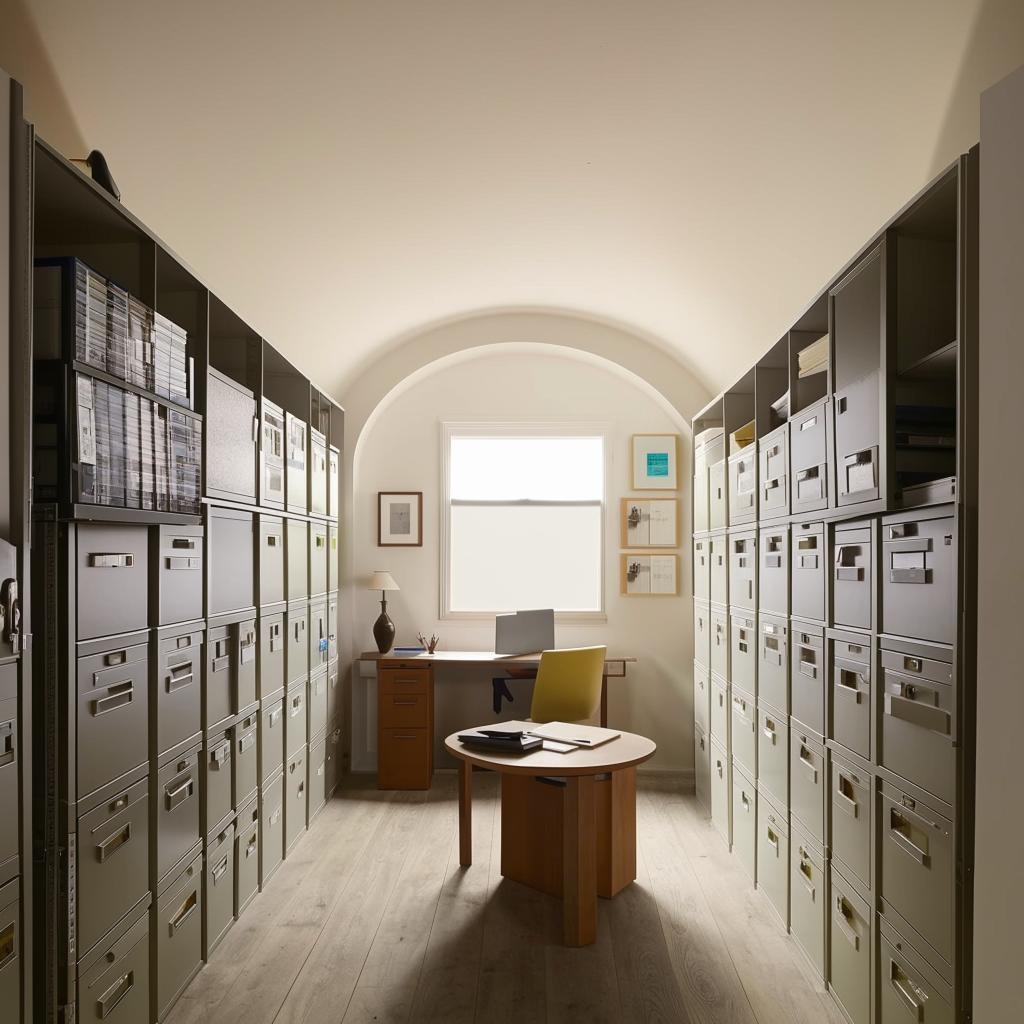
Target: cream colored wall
x: 400, y: 450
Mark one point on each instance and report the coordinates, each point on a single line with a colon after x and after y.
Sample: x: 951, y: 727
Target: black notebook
x: 506, y: 742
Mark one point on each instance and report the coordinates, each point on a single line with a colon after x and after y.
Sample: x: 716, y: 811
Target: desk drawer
x: 404, y: 759
x: 392, y: 680
x: 404, y: 710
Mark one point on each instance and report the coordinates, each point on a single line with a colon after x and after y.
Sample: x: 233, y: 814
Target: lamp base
x: 384, y: 630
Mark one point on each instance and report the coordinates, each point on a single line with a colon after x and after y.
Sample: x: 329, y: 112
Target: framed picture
x: 655, y: 459
x: 650, y: 523
x: 399, y: 519
x: 655, y: 575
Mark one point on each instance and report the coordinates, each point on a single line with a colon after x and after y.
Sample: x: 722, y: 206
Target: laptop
x: 525, y: 632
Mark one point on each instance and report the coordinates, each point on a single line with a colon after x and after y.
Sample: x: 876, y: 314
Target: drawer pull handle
x: 846, y: 803
x: 769, y: 733
x: 111, y: 560
x: 275, y: 817
x: 6, y: 744
x: 248, y: 740
x: 808, y: 764
x: 405, y: 703
x: 113, y: 843
x: 179, y: 794
x: 184, y: 543
x: 218, y: 872
x: 811, y: 421
x: 273, y: 539
x: 220, y: 664
x: 403, y: 737
x: 745, y: 800
x: 180, y: 676
x: 842, y: 918
x: 808, y: 884
x: 220, y: 756
x: 296, y: 706
x: 856, y: 668
x: 185, y: 911
x: 181, y: 563
x: 773, y: 561
x: 273, y: 717
x: 912, y: 575
x: 109, y: 1000
x: 914, y: 712
x: 897, y: 822
x: 896, y: 979
x: 773, y: 840
x: 119, y: 696
x: 845, y: 688
x: 250, y: 848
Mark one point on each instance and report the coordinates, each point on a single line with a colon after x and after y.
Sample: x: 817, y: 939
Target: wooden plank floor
x: 373, y: 920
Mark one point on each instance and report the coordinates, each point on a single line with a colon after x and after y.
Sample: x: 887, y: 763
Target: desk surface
x: 624, y: 751
x: 477, y: 658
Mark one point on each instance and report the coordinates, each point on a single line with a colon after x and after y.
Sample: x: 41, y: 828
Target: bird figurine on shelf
x: 431, y: 644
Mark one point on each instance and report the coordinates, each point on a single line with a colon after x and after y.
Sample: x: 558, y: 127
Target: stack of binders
x: 90, y: 317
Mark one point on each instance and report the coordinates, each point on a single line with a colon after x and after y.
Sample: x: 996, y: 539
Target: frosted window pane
x: 514, y: 468
x: 534, y: 557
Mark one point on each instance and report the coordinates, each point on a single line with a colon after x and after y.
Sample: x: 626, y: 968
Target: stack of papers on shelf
x: 705, y: 437
x: 814, y: 358
x: 781, y: 406
x: 742, y: 436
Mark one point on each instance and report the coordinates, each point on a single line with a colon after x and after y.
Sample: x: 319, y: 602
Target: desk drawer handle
x: 180, y: 675
x: 405, y: 703
x: 185, y: 911
x: 896, y: 977
x: 119, y: 696
x: 111, y: 560
x: 113, y: 843
x: 219, y: 870
x: 842, y: 919
x: 109, y: 1000
x: 179, y: 794
x: 403, y: 737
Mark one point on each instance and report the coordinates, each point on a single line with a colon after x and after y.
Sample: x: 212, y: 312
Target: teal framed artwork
x: 655, y: 462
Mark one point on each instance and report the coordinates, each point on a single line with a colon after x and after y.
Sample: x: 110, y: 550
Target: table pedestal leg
x: 465, y: 813
x: 579, y: 863
x: 604, y: 699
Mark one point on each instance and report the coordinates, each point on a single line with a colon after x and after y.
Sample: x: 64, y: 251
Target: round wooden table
x: 581, y: 769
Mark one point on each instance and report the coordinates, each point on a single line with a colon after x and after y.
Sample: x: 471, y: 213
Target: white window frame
x: 506, y: 429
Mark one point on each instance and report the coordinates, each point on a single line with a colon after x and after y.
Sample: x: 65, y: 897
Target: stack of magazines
x: 814, y: 358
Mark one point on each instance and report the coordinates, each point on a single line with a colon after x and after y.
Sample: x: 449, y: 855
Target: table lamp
x: 383, y: 628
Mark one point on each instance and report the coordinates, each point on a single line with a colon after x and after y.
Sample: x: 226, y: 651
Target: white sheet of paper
x: 662, y: 524
x: 663, y: 574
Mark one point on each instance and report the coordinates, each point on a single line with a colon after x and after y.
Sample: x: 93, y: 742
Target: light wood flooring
x: 372, y: 920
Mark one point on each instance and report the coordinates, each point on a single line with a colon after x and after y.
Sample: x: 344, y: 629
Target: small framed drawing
x: 650, y: 523
x: 399, y: 519
x: 655, y: 462
x: 649, y: 574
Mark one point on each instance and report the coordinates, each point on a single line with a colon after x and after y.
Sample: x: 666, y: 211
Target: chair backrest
x: 568, y: 686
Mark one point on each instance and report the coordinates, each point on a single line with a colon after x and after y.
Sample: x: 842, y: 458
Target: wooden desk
x: 579, y: 813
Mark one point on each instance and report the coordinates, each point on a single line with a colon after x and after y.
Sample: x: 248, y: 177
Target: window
x: 524, y: 517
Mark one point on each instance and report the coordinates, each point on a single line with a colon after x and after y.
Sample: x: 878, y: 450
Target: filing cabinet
x: 701, y: 501
x: 113, y: 709
x: 333, y: 481
x: 231, y: 658
x: 702, y: 568
x: 702, y: 767
x: 702, y: 632
x: 111, y: 579
x: 405, y: 752
x: 10, y: 947
x: 334, y: 693
x: 295, y: 717
x: 908, y: 985
x: 273, y: 640
x: 333, y: 761
x: 297, y: 559
x: 773, y: 575
x: 317, y: 712
x: 851, y: 784
x: 851, y: 660
x: 809, y: 446
x: 295, y: 785
x: 10, y: 755
x: 853, y: 546
x: 219, y: 887
x: 245, y: 756
x: 270, y: 561
x: 743, y: 486
x: 807, y: 781
x: 849, y: 947
x: 317, y: 473
x: 744, y: 732
x: 229, y: 562
x: 719, y: 568
x: 176, y: 808
x: 112, y: 857
x: 744, y: 821
x: 296, y: 495
x: 272, y: 455
x: 320, y: 632
x: 176, y: 691
x: 247, y: 855
x: 113, y: 981
x: 807, y: 576
x: 332, y: 627
x: 333, y: 555
x: 773, y: 855
x: 721, y: 791
x: 807, y: 900
x: 297, y: 648
x: 701, y: 696
x: 232, y: 433
x: 743, y: 651
x: 773, y: 662
x: 218, y: 754
x: 271, y: 806
x: 317, y: 777
x: 718, y: 495
x: 807, y: 675
x: 743, y: 569
x: 178, y: 926
x: 177, y: 594
x: 721, y: 710
x: 317, y: 558
x: 773, y: 472
x: 773, y: 755
x: 271, y: 738
x: 720, y: 641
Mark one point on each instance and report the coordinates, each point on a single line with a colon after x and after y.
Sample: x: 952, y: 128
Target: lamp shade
x: 382, y: 580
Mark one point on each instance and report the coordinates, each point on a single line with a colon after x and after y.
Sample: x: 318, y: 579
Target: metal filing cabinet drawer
x: 297, y: 656
x: 297, y: 559
x: 701, y: 506
x: 271, y: 827
x: 232, y: 430
x: 773, y: 855
x: 178, y: 554
x: 809, y: 433
x: 332, y: 557
x: 849, y: 970
x: 217, y: 757
x: 112, y: 579
x: 271, y: 738
x: 702, y: 568
x: 246, y: 757
x: 333, y: 755
x: 317, y: 558
x: 807, y: 780
x: 246, y: 657
x: 852, y: 787
x: 273, y: 640
x: 918, y: 721
x: 719, y: 568
x: 743, y: 651
x: 743, y: 486
x: 850, y: 702
x: 113, y: 983
x: 317, y: 716
x: 807, y: 900
x: 702, y: 632
x: 220, y: 887
x: 271, y: 560
x: 773, y: 755
x: 853, y: 576
x: 179, y: 933
x: 720, y: 710
x: 272, y: 455
x: 295, y: 798
x: 908, y: 987
x: 9, y: 757
x: 773, y: 662
x: 807, y: 675
x: 720, y: 641
x: 701, y: 697
x: 113, y: 709
x: 773, y: 456
x: 807, y: 561
x: 856, y: 434
x: 773, y: 576
x: 744, y: 821
x: 218, y: 699
x: 744, y: 731
x: 317, y: 772
x: 332, y: 627
x: 919, y: 591
x: 177, y: 688
x: 229, y: 561
x: 317, y: 473
x: 721, y: 791
x: 702, y: 767
x: 113, y: 860
x: 247, y: 855
x: 333, y: 481
x: 296, y: 496
x: 10, y: 948
x: 916, y: 875
x: 295, y: 734
x: 176, y: 807
x: 743, y: 569
x: 319, y: 638
x: 718, y: 496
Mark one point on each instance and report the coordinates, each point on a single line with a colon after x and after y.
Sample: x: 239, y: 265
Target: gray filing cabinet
x: 297, y: 559
x: 10, y: 944
x: 113, y: 980
x: 270, y: 560
x: 273, y: 639
x: 272, y: 455
x: 297, y: 647
x: 176, y: 686
x: 744, y: 820
x: 231, y: 436
x: 808, y: 897
x: 229, y: 561
x: 219, y: 887
x: 743, y: 486
x: 333, y: 554
x: 177, y: 586
x: 807, y: 572
x: 295, y: 787
x: 809, y: 446
x: 317, y: 558
x: 178, y: 928
x: 852, y: 785
x: 773, y: 575
x: 317, y: 473
x: 773, y: 473
x: 851, y: 661
x: 111, y: 579
x: 807, y: 674
x: 773, y: 854
x: 271, y: 808
x: 177, y: 808
x: 296, y: 495
x: 849, y: 947
x: 247, y: 855
x: 333, y: 481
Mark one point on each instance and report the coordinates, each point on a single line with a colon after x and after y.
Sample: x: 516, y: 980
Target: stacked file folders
x: 814, y: 358
x: 501, y: 741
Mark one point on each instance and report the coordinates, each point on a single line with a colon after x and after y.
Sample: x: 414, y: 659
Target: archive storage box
x: 851, y: 783
x: 10, y: 946
x: 229, y: 548
x: 702, y: 632
x: 295, y: 734
x: 720, y: 641
x: 701, y: 696
x: 807, y: 674
x: 744, y: 732
x: 296, y: 495
x: 849, y: 946
x: 231, y: 435
x: 807, y: 575
x: 721, y: 791
x: 273, y: 641
x: 217, y: 759
x: 177, y: 686
x: 317, y: 775
x: 297, y: 559
x: 718, y: 495
x: 219, y: 894
x: 271, y: 738
x: 909, y: 988
x: 773, y: 471
x: 773, y: 662
x: 111, y: 579
x: 177, y: 595
x: 320, y: 632
x: 332, y: 771
x: 332, y: 557
x: 773, y: 855
x: 317, y: 714
x: 702, y: 767
x: 271, y: 806
x: 247, y: 855
x: 719, y: 568
x: 272, y: 455
x: 295, y: 783
x: 245, y: 755
x: 744, y: 820
x: 743, y: 486
x: 317, y: 558
x: 178, y: 924
x: 297, y: 650
x: 333, y: 481
x: 332, y: 627
x: 743, y: 569
x: 113, y: 981
x: 810, y: 447
x: 808, y: 899
x: 231, y: 659
x: 177, y: 808
x: 807, y: 780
x: 702, y: 568
x: 317, y: 473
x: 743, y: 651
x: 853, y: 559
x: 773, y: 577
x: 773, y: 755
x: 271, y: 539
x: 720, y: 710
x: 851, y: 705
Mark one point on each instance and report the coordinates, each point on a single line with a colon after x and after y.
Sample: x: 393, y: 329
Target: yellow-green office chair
x: 568, y: 686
